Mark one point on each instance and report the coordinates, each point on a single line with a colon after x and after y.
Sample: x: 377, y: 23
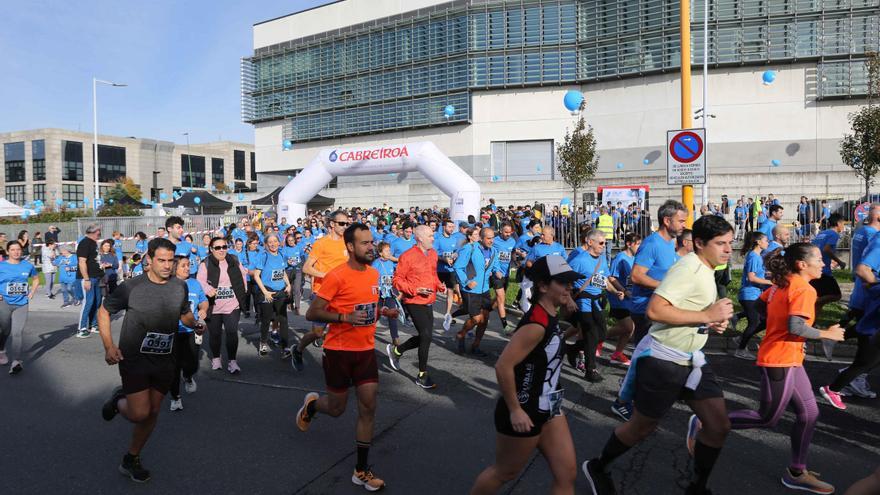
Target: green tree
x: 861, y: 149
x: 576, y: 157
x: 119, y: 210
x: 122, y: 187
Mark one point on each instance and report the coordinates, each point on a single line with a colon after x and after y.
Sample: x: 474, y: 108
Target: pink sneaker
x: 232, y: 367
x: 215, y: 364
x: 832, y: 397
x: 620, y: 358
x: 599, y: 350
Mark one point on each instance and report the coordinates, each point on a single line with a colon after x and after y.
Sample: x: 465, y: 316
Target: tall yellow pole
x: 687, y: 192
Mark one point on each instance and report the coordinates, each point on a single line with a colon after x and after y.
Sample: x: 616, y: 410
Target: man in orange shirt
x: 327, y: 253
x: 348, y: 300
x: 416, y: 279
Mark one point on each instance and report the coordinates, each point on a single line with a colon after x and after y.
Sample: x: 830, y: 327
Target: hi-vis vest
x: 606, y: 224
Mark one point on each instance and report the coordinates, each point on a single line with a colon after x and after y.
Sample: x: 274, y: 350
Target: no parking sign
x: 686, y: 156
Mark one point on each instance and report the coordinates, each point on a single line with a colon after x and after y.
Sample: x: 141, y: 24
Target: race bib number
x: 555, y: 399
x: 504, y: 256
x: 17, y: 288
x: 70, y: 269
x: 277, y: 275
x: 293, y: 260
x: 157, y: 343
x: 371, y: 309
x: 385, y: 280
x: 224, y: 293
x: 598, y: 280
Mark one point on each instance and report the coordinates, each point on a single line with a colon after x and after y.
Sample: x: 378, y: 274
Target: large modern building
x: 356, y: 73
x: 51, y: 164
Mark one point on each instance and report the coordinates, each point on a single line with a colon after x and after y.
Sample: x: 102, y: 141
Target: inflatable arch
x: 424, y: 157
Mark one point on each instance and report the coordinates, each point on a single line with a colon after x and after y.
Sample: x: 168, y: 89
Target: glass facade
x: 38, y: 160
x: 40, y: 192
x: 253, y: 166
x: 71, y: 160
x: 192, y: 171
x: 402, y: 72
x: 111, y: 163
x: 238, y: 164
x: 217, y: 171
x: 13, y: 155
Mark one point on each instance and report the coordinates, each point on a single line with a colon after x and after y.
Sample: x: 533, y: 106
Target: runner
x: 784, y: 382
x: 504, y: 243
x: 416, y: 279
x: 524, y: 244
x: 528, y: 414
x: 476, y: 265
x: 88, y: 275
x: 18, y: 284
x: 541, y: 247
x: 154, y: 305
x: 774, y: 215
x: 403, y: 243
x: 186, y: 342
x: 387, y: 298
x: 348, y: 301
x: 270, y: 275
x: 621, y: 268
x: 327, y: 253
x: 224, y: 280
x: 754, y: 281
x: 860, y: 240
x: 294, y: 252
x: 668, y: 365
x: 684, y: 243
x: 827, y: 287
x: 446, y: 245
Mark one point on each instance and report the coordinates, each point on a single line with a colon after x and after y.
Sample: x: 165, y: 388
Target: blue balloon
x: 71, y: 205
x: 289, y: 177
x: 449, y: 111
x: 495, y: 178
x: 619, y: 166
x: 646, y: 161
x: 538, y: 168
x: 59, y: 202
x: 163, y: 196
x: 565, y: 201
x: 241, y: 196
x: 573, y: 100
x: 776, y: 163
x: 768, y: 76
x: 287, y: 145
x: 197, y: 200
x: 24, y: 215
x: 38, y: 202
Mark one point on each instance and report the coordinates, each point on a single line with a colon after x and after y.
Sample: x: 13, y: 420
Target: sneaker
x: 285, y: 354
x: 65, y: 305
x: 3, y: 359
x: 580, y: 363
x: 694, y: 427
x: 367, y: 480
x: 232, y: 367
x: 247, y: 314
x: 50, y: 296
x: 303, y: 420
x: 476, y: 351
x: 744, y: 354
x: 599, y: 350
x: 447, y: 322
x: 424, y: 381
x: 593, y: 376
x: 264, y: 348
x: 83, y: 333
x: 131, y: 467
x: 807, y: 481
x: 600, y: 482
x: 275, y: 337
x: 15, y: 368
x: 393, y: 357
x: 176, y: 405
x: 78, y: 303
x: 620, y: 358
x: 190, y: 386
x: 862, y: 388
x: 297, y: 358
x: 216, y: 364
x: 109, y: 409
x: 622, y: 410
x: 832, y: 397
x: 94, y: 330
x: 504, y: 324
x: 460, y: 348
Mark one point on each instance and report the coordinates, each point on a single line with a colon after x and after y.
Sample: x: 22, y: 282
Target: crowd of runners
x: 349, y: 269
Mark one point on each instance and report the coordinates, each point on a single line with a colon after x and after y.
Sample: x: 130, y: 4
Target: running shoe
x: 504, y: 323
x: 285, y: 354
x: 319, y: 342
x: 600, y: 482
x: 65, y: 305
x: 580, y: 363
x: 94, y: 330
x: 109, y: 410
x: 198, y: 339
x: 447, y: 322
x: 3, y: 359
x: 694, y: 427
x: 216, y: 364
x: 368, y: 480
x: 176, y: 405
x: 15, y: 368
x: 264, y: 348
x: 393, y: 357
x: 620, y: 358
x: 296, y: 358
x: 424, y: 381
x: 599, y: 350
x: 83, y: 333
x: 131, y: 467
x: 593, y: 376
x: 622, y: 410
x: 303, y: 420
x: 807, y: 481
x: 232, y: 367
x: 247, y: 314
x: 190, y: 386
x: 832, y: 397
x: 859, y: 388
x: 744, y: 354
x: 476, y: 351
x: 275, y: 337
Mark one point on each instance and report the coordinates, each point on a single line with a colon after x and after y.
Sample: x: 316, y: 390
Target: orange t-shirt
x: 347, y: 290
x: 781, y: 349
x: 329, y: 254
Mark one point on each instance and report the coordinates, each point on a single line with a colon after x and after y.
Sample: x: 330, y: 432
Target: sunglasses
x: 342, y: 224
x: 220, y: 248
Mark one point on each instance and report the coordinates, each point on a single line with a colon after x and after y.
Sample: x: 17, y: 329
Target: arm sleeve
x: 202, y: 277
x: 461, y: 263
x: 401, y: 280
x: 797, y: 325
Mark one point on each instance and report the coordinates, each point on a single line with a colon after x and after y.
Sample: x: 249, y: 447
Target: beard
x: 365, y: 259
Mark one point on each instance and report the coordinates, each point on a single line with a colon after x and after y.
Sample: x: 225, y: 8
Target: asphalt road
x: 237, y: 433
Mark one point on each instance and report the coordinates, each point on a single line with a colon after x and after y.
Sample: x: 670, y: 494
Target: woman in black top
x: 25, y: 241
x: 528, y: 414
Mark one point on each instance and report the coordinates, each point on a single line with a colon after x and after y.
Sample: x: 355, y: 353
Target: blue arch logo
x: 333, y: 156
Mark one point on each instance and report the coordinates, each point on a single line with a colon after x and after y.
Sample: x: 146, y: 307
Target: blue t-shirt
x: 141, y: 246
x: 15, y: 281
x: 117, y: 248
x: 826, y: 238
x: 401, y: 245
x: 184, y: 248
x: 773, y: 246
x: 621, y: 269
x: 595, y: 269
x: 860, y: 240
x: 445, y: 247
x: 272, y: 268
x: 386, y: 275
x: 505, y: 253
x: 870, y: 322
x: 138, y: 269
x: 294, y: 255
x: 826, y: 212
x: 67, y: 266
x: 390, y: 238
x: 750, y: 291
x: 767, y: 229
x: 657, y: 255
x: 196, y: 296
x: 541, y: 249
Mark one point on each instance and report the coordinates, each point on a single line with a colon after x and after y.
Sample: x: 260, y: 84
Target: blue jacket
x: 471, y: 265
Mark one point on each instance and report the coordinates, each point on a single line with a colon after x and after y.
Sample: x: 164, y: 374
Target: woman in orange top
x: 791, y: 305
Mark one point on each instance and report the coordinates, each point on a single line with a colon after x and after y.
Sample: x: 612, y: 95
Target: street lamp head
x: 118, y: 85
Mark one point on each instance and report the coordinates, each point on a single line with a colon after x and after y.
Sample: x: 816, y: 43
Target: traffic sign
x: 686, y: 156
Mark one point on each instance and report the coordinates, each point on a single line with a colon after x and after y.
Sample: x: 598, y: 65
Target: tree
x: 576, y: 157
x: 222, y: 188
x: 122, y: 187
x: 119, y: 210
x: 861, y: 149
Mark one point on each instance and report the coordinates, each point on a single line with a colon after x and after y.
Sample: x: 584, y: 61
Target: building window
x: 71, y: 193
x: 192, y: 169
x: 217, y: 176
x: 38, y: 158
x: 241, y: 187
x: 111, y: 163
x: 71, y: 160
x: 14, y: 156
x: 521, y: 160
x: 16, y: 194
x: 238, y: 163
x: 40, y: 192
x: 253, y: 166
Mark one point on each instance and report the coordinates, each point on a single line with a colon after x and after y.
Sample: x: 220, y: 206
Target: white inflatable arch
x: 424, y: 157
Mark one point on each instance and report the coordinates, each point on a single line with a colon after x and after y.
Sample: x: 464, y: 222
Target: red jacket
x: 416, y: 269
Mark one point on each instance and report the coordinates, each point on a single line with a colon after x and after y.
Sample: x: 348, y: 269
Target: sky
x: 180, y: 59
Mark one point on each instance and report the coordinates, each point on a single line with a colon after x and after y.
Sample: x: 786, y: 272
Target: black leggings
x: 216, y: 325
x: 423, y: 319
x: 755, y: 311
x: 186, y: 357
x: 867, y: 358
x: 274, y: 310
x: 593, y: 329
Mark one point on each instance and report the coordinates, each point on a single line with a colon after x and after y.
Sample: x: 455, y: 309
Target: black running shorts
x: 344, y: 369
x: 503, y: 425
x: 659, y: 384
x: 140, y: 376
x: 826, y: 286
x: 476, y: 303
x: 500, y: 283
x: 619, y: 313
x: 448, y: 279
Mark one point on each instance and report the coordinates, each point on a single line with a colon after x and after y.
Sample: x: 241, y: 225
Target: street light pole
x: 95, y: 82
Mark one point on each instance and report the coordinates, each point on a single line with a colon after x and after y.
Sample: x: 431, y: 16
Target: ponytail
x: 751, y: 241
x: 781, y: 266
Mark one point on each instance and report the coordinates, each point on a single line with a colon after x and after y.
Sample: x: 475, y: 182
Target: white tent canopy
x: 10, y: 209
